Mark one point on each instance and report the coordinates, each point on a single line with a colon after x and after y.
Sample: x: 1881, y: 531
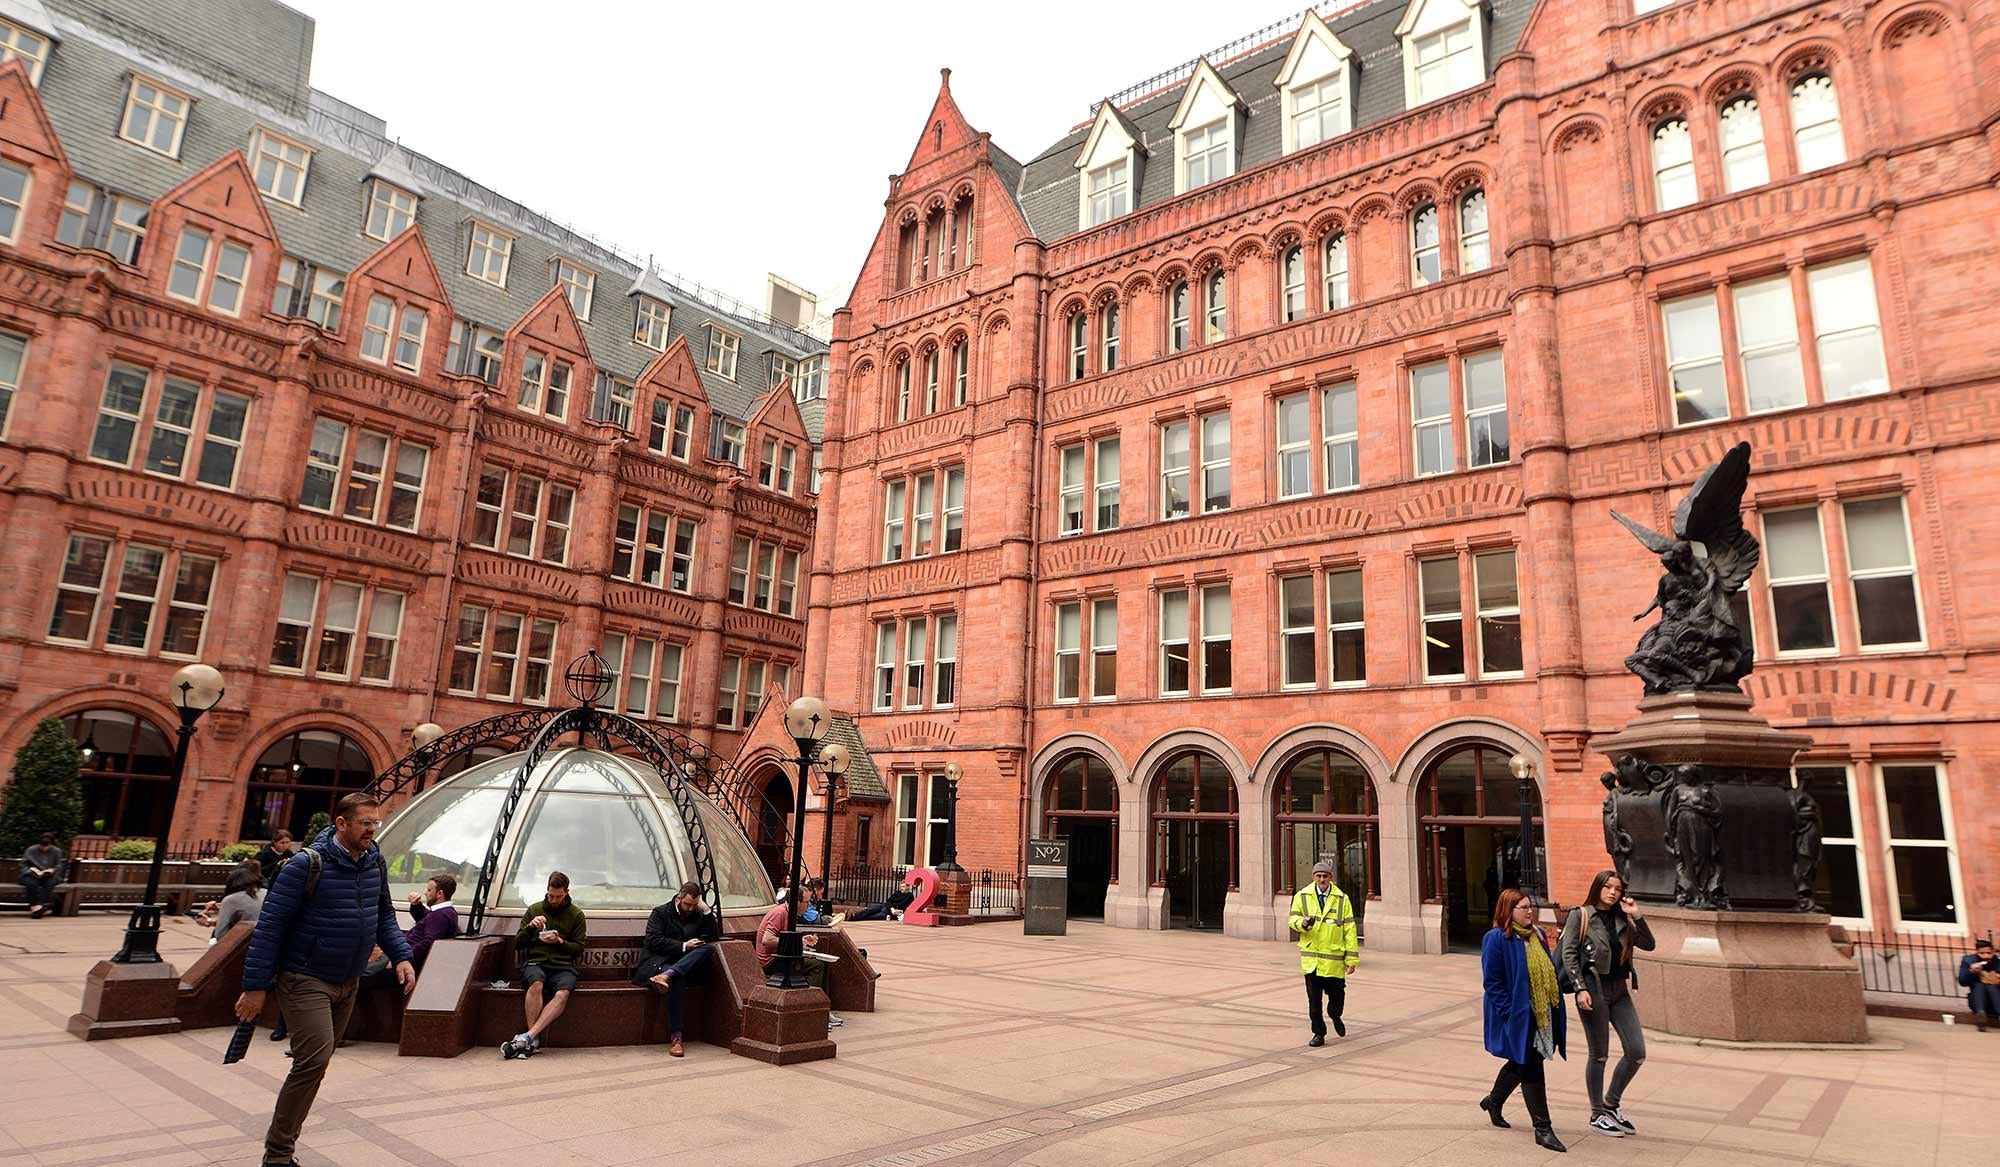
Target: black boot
x: 1536, y: 1095
x: 1503, y: 1088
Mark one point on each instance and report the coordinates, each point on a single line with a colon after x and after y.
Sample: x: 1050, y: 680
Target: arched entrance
x: 127, y: 761
x: 1325, y: 809
x: 298, y: 776
x: 774, y: 817
x: 1193, y: 805
x: 1080, y: 803
x: 1469, y: 815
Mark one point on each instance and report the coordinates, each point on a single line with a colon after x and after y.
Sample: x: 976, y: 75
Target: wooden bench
x: 179, y: 898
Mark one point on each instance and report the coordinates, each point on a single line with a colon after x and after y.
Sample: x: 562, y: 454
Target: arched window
x: 1326, y: 810
x: 934, y: 244
x: 1079, y: 346
x: 1217, y: 307
x: 298, y: 776
x: 1080, y: 803
x: 931, y: 360
x: 961, y: 234
x: 1194, y: 837
x: 1741, y: 128
x: 1816, y: 123
x: 1334, y: 267
x: 907, y: 255
x: 126, y: 765
x: 1177, y: 317
x: 1475, y: 248
x: 1469, y: 818
x: 1293, y: 270
x: 903, y: 388
x: 1108, y: 326
x: 1673, y: 164
x: 1425, y: 260
x: 961, y: 372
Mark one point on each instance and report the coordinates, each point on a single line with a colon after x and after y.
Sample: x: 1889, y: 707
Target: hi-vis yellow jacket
x: 1328, y: 945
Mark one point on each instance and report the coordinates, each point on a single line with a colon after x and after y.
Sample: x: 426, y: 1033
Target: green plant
x: 46, y: 795
x: 237, y: 852
x: 131, y: 849
x: 314, y: 825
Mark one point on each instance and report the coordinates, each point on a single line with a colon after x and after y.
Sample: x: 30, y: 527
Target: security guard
x: 1328, y: 947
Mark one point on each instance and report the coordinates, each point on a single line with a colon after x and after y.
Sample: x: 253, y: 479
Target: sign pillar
x: 1047, y: 910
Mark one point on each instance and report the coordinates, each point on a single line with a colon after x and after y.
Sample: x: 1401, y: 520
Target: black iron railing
x: 99, y: 847
x: 1910, y: 964
x: 994, y: 893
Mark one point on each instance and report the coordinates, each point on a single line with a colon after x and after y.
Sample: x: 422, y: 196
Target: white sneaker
x: 835, y: 1021
x: 1618, y: 1116
x: 1604, y: 1124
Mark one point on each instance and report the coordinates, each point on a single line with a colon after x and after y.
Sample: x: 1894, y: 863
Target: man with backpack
x: 324, y: 914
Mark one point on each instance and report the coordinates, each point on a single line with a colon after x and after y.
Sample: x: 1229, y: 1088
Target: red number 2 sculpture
x: 919, y: 913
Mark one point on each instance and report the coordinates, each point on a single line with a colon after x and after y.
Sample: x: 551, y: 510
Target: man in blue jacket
x: 325, y: 913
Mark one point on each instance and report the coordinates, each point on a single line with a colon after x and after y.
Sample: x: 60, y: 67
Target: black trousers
x: 1334, y: 990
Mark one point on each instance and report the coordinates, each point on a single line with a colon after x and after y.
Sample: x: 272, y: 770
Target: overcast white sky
x: 732, y: 139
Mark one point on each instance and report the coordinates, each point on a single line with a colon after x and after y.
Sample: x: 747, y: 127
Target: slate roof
x: 247, y: 63
x: 863, y: 779
x: 1049, y: 186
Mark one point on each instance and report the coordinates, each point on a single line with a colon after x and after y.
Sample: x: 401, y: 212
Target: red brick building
x: 384, y: 446
x: 1228, y: 485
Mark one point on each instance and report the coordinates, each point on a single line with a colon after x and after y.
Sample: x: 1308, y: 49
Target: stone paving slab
x: 989, y: 1049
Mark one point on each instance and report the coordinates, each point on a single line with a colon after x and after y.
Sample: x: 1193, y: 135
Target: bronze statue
x: 1697, y: 645
x: 1694, y: 839
x: 1805, y: 846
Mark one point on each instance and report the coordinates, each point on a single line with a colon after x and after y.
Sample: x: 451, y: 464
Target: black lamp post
x: 196, y: 690
x: 807, y: 721
x: 951, y: 776
x: 1523, y: 768
x: 833, y: 759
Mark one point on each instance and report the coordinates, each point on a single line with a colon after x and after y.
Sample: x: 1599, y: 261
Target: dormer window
x: 487, y: 253
x: 280, y: 165
x: 722, y: 352
x: 1205, y: 154
x: 578, y: 283
x: 649, y: 324
x: 155, y: 117
x: 391, y: 210
x: 1317, y: 84
x: 1444, y: 48
x: 1110, y: 192
x: 29, y: 48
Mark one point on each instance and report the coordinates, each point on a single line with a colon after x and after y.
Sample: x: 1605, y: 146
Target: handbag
x: 1566, y: 984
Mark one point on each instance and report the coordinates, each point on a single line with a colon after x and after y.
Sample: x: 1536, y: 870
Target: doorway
x: 1091, y: 842
x: 774, y: 814
x: 1479, y: 862
x: 1198, y: 866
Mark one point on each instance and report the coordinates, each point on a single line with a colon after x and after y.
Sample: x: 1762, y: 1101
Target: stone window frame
x: 158, y: 107
x: 107, y: 593
x: 145, y: 422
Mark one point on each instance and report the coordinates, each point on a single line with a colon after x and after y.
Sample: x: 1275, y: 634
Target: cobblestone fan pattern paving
x: 1105, y: 1046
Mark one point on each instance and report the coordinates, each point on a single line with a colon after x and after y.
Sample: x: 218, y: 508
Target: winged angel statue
x: 1697, y: 644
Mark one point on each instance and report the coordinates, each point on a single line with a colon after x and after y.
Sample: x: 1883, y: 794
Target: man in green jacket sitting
x: 550, y: 940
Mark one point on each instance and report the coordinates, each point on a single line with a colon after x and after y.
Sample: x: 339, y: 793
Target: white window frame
x: 917, y: 640
x: 1423, y: 425
x: 1219, y: 466
x: 1475, y: 244
x: 1422, y: 247
x: 1477, y: 418
x: 895, y: 529
x: 1456, y: 617
x: 388, y: 199
x: 496, y: 246
x: 650, y: 321
x: 1780, y: 347
x: 1103, y: 644
x: 1456, y: 64
x: 1481, y: 614
x: 1210, y: 149
x: 908, y: 793
x: 96, y: 592
x: 1949, y: 844
x: 1070, y: 463
x: 1069, y: 653
x: 1294, y: 449
x: 21, y: 44
x: 1209, y: 636
x: 284, y: 154
x: 1675, y: 183
x: 1107, y: 192
x: 1292, y: 284
x: 1105, y: 489
x: 1690, y: 362
x: 575, y: 280
x: 1908, y: 568
x: 1333, y: 627
x: 1823, y: 577
x: 376, y: 334
x: 723, y: 347
x: 1171, y: 637
x: 951, y: 511
x: 944, y: 661
x: 1823, y: 307
x: 1177, y: 466
x: 887, y: 665
x: 1856, y: 841
x: 1819, y: 142
x: 1333, y: 278
x: 1739, y: 133
x: 161, y: 105
x: 1288, y: 632
x: 1332, y: 443
x: 13, y: 360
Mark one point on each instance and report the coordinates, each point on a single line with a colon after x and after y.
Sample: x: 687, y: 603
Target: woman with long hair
x: 1596, y: 951
x: 1524, y: 1012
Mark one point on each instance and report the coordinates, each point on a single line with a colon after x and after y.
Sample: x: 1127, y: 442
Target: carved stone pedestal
x: 1748, y: 976
x: 128, y: 1000
x: 1701, y: 812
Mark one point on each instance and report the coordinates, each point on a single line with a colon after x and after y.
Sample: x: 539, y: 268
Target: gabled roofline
x: 1312, y: 27
x: 60, y: 155
x: 1416, y: 9
x: 423, y: 249
x: 1204, y: 74
x: 233, y: 158
x: 1108, y: 113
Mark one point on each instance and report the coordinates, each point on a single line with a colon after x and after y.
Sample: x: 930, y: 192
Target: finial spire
x: 944, y: 75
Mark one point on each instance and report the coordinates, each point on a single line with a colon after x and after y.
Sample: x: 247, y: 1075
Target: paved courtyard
x: 1101, y: 1047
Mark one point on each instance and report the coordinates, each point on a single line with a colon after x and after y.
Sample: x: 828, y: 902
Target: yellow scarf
x: 1542, y: 990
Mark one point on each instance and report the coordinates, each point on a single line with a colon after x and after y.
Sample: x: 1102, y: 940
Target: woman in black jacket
x: 1596, y: 952
x: 680, y: 945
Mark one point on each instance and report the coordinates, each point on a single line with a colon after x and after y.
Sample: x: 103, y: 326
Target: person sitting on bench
x: 550, y: 940
x: 41, y: 870
x: 680, y: 945
x: 899, y: 901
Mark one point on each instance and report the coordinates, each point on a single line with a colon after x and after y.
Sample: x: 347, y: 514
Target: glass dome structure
x: 605, y: 820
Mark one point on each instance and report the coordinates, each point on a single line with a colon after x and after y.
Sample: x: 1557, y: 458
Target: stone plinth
x: 128, y: 1000
x: 1717, y: 729
x: 1748, y: 976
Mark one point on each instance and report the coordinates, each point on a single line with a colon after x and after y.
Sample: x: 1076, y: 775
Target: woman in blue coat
x: 1524, y: 1012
